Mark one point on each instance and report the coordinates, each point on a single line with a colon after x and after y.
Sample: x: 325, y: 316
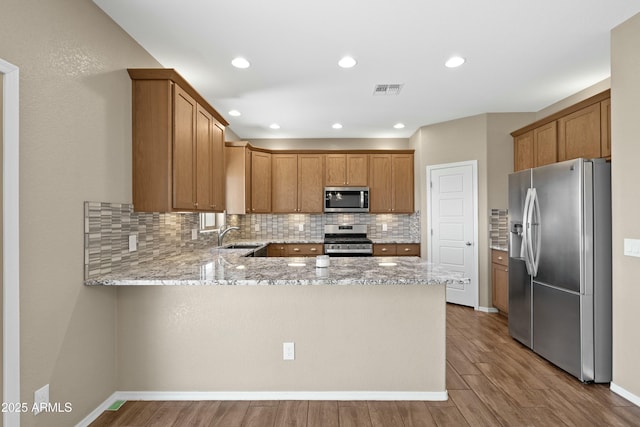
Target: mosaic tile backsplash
x: 107, y: 227
x: 499, y: 229
x: 400, y: 227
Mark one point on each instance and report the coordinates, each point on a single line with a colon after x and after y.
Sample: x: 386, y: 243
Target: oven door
x: 346, y: 199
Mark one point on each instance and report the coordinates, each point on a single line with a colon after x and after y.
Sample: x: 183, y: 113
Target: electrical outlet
x: 257, y: 227
x: 40, y: 399
x: 632, y: 247
x: 133, y: 243
x: 288, y: 351
x: 384, y: 227
x: 301, y: 227
x: 194, y: 234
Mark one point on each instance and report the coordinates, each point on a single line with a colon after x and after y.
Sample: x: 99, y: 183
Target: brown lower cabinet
x: 500, y: 280
x: 293, y: 249
x: 396, y: 249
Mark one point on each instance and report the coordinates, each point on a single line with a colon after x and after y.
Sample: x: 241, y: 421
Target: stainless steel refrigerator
x: 560, y: 265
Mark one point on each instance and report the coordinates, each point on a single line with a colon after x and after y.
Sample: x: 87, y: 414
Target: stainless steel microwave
x: 346, y: 199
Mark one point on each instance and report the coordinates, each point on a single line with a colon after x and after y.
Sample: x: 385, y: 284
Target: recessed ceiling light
x: 240, y: 62
x: 234, y: 113
x: 274, y: 126
x: 336, y: 126
x: 399, y: 126
x: 347, y: 62
x: 454, y: 61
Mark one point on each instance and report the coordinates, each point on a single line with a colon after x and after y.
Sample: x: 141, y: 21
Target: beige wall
x: 333, y: 144
x: 229, y: 338
x: 574, y: 99
x: 75, y: 145
x: 625, y: 135
x: 485, y: 138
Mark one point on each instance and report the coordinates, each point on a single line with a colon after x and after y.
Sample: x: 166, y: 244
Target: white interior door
x: 453, y: 217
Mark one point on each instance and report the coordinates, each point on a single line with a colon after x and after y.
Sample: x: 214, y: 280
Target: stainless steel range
x: 347, y: 240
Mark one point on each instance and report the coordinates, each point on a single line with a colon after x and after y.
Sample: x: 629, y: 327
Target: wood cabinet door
x: 260, y: 182
x: 545, y: 144
x: 380, y: 197
x: 310, y: 183
x: 605, y: 128
x: 579, y: 134
x: 336, y: 170
x: 284, y: 186
x: 184, y: 152
x: 357, y: 170
x: 204, y: 160
x: 276, y: 250
x: 500, y: 287
x: 402, y: 183
x: 219, y: 170
x: 523, y: 152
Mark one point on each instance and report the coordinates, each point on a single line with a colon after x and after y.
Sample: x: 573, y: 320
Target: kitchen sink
x: 242, y: 246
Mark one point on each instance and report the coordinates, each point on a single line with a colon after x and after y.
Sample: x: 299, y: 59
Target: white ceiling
x: 522, y: 55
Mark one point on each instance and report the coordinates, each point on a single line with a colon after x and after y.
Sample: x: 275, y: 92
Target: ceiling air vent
x: 387, y: 90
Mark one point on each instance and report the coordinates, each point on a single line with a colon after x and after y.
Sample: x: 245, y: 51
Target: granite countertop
x: 499, y: 248
x: 217, y: 266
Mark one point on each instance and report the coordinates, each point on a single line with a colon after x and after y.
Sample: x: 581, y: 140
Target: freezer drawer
x: 556, y: 328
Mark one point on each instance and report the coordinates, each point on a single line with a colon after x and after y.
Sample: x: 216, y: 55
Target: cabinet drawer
x: 304, y: 249
x: 408, y: 249
x: 499, y: 257
x: 384, y: 250
x: 276, y: 250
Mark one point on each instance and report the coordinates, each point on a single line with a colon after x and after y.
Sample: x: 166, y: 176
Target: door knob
x: 468, y: 243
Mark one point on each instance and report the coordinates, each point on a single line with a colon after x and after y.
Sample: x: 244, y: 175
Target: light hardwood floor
x: 492, y: 381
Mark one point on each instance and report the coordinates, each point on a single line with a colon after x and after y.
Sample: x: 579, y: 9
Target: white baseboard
x: 98, y: 411
x: 263, y: 395
x: 487, y: 309
x: 625, y: 393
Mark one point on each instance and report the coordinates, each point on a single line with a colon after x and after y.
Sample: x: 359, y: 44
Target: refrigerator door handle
x: 526, y: 234
x: 535, y: 213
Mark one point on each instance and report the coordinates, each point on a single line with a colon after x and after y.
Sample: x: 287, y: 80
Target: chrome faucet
x: 223, y: 230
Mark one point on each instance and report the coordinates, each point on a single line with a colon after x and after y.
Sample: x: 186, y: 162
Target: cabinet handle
x: 506, y: 269
x: 500, y: 257
x: 384, y: 249
x: 406, y: 249
x: 313, y: 249
x: 296, y: 249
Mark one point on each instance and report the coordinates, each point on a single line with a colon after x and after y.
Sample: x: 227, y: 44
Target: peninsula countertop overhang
x: 218, y: 266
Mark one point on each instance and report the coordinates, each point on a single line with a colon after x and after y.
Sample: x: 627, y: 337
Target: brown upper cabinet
x: 545, y: 144
x: 347, y: 170
x: 391, y: 183
x: 582, y: 130
x: 178, y: 143
x: 297, y: 183
x: 248, y: 179
x: 260, y: 182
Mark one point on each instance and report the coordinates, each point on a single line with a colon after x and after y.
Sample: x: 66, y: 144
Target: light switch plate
x: 257, y: 227
x: 301, y: 226
x: 133, y: 243
x: 384, y: 227
x: 288, y: 351
x: 632, y: 247
x: 194, y: 234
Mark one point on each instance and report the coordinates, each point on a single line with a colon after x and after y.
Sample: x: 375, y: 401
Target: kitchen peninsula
x: 363, y: 328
